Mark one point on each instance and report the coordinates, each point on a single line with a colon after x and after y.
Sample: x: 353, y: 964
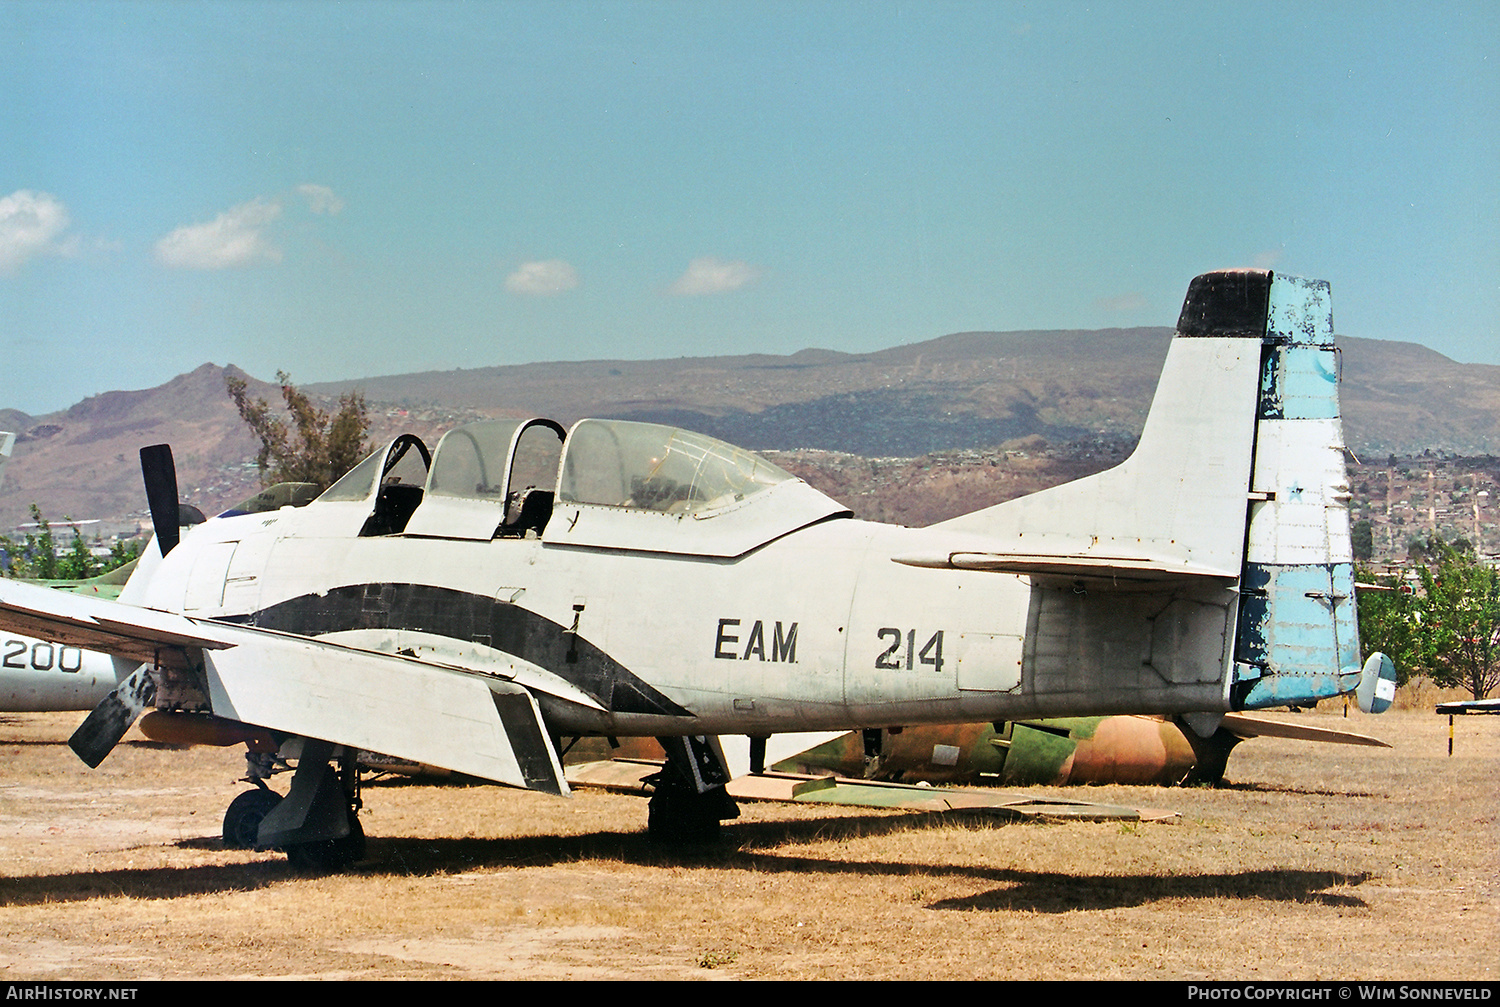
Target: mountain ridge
x: 965, y: 390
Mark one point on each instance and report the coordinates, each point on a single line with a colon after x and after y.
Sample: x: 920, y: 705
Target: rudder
x: 1296, y: 637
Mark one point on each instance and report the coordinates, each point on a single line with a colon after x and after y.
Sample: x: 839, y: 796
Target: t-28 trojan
x: 522, y: 585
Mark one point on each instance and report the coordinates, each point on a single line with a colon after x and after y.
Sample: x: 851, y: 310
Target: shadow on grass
x: 1041, y: 892
x: 749, y: 846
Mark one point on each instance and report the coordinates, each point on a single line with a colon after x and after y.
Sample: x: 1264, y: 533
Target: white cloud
x: 235, y: 237
x: 321, y: 199
x: 1131, y: 301
x: 542, y: 279
x: 709, y: 275
x: 1267, y: 259
x: 31, y: 224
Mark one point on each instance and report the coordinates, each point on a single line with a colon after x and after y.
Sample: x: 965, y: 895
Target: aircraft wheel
x: 242, y: 820
x: 681, y: 820
x: 328, y: 855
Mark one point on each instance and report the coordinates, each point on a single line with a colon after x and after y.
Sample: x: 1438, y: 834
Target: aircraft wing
x: 95, y: 624
x: 402, y: 707
x: 1244, y: 726
x: 452, y: 718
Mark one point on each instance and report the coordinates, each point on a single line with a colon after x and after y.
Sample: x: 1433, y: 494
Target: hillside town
x: 1408, y: 498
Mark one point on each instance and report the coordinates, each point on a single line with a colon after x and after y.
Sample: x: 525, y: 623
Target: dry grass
x: 1317, y: 862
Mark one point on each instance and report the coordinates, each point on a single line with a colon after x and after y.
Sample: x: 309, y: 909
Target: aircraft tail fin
x: 1238, y: 478
x: 7, y: 444
x: 1180, y: 497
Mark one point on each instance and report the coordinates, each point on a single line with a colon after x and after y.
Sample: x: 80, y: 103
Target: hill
x: 1084, y: 393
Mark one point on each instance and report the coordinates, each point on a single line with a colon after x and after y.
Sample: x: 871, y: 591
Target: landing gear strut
x: 689, y: 799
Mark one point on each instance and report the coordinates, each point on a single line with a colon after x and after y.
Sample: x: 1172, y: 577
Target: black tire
x: 677, y: 820
x: 328, y: 855
x: 246, y: 812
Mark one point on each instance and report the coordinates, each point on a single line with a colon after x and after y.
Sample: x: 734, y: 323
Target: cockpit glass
x: 646, y: 466
x: 535, y: 464
x: 275, y: 497
x: 470, y: 461
x: 405, y: 464
x: 358, y: 482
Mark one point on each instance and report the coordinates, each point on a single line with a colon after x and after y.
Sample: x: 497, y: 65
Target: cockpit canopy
x: 507, y: 478
x: 646, y: 466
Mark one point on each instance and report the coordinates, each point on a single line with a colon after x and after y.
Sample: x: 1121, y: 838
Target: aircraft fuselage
x: 819, y: 628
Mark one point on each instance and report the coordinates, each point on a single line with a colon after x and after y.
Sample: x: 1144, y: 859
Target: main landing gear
x: 689, y: 798
x: 317, y: 823
x: 246, y: 812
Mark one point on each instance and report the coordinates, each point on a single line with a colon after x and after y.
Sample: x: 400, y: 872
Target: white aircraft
x: 523, y: 585
x: 39, y: 675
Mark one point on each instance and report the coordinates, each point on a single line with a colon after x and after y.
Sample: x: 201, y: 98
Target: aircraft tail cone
x: 1377, y: 684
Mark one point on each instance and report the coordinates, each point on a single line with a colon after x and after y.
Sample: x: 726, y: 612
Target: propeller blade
x: 161, y: 493
x: 102, y: 730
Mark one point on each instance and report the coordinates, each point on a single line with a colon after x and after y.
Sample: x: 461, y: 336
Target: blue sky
x: 343, y: 190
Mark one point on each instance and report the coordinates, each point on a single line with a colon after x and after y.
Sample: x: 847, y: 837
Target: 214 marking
x: 891, y: 659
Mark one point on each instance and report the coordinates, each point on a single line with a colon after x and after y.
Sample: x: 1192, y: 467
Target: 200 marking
x: 43, y: 656
x: 891, y: 659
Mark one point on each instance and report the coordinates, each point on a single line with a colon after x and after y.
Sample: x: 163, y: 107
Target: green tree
x: 35, y: 556
x: 38, y: 550
x: 1461, y: 621
x: 1363, y: 540
x: 78, y: 562
x: 121, y: 553
x: 1390, y: 621
x: 314, y: 447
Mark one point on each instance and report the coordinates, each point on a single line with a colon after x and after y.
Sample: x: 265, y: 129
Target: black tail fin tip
x: 1231, y: 302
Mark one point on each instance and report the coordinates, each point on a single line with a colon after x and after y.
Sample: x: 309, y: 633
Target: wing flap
x: 398, y: 707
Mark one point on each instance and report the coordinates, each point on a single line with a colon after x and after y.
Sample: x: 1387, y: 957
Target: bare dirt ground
x: 1317, y: 861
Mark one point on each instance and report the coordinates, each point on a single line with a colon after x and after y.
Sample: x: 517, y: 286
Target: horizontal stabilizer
x: 1470, y: 706
x: 1244, y: 726
x: 1106, y: 567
